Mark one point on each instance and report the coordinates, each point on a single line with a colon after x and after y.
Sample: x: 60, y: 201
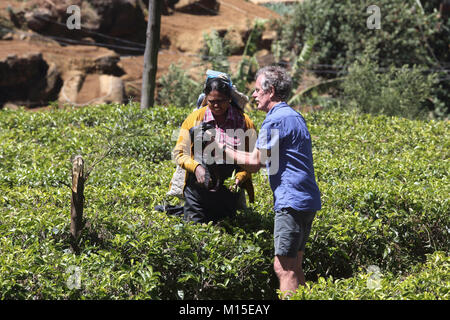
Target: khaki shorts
x: 291, y: 231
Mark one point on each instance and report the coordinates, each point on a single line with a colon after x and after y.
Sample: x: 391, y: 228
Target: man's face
x: 263, y: 99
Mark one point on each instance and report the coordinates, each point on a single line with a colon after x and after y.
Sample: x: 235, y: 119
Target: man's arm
x: 249, y: 161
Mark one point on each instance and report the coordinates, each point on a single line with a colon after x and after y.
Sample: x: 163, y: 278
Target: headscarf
x: 238, y: 99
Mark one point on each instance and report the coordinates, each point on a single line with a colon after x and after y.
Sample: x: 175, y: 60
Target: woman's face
x: 218, y: 103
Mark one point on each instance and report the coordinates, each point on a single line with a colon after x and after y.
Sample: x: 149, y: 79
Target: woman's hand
x: 236, y: 187
x: 200, y: 174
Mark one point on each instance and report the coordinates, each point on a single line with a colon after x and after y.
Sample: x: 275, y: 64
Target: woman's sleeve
x: 182, y: 152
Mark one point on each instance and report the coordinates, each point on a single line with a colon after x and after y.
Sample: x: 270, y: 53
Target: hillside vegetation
x: 384, y: 182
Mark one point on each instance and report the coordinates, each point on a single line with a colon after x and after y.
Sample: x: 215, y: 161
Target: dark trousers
x: 202, y: 205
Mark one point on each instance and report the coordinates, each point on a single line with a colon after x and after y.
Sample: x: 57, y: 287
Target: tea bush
x: 385, y: 189
x: 428, y: 281
x: 128, y: 250
x: 384, y: 183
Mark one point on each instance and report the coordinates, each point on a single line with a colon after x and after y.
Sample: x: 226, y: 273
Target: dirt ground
x: 182, y: 34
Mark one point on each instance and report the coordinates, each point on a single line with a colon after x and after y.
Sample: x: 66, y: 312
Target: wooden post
x: 151, y: 54
x: 77, y: 201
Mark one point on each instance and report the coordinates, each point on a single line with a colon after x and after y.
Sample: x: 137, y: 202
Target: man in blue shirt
x: 284, y: 147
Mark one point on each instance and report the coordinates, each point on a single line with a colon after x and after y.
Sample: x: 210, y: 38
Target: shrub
x: 408, y: 35
x: 176, y: 88
x: 342, y: 34
x: 391, y: 91
x: 216, y: 50
x: 279, y: 7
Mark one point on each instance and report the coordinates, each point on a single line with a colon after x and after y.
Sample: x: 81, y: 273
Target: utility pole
x: 151, y: 54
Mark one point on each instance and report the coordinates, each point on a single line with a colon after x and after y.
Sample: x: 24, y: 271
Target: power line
x: 95, y: 33
x: 141, y: 47
x: 239, y: 9
x: 73, y: 41
x: 316, y: 68
x: 106, y: 45
x: 228, y: 5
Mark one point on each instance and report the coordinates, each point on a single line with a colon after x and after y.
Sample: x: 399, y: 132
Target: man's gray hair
x: 278, y: 78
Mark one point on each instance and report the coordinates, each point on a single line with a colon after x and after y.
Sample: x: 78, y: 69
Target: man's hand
x: 249, y: 161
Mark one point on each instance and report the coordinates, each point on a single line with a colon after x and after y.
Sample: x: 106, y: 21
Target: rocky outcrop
x: 119, y: 24
x: 91, y: 72
x: 28, y: 80
x: 120, y: 18
x: 200, y: 7
x: 87, y: 89
x: 72, y: 85
x: 93, y: 80
x: 105, y: 64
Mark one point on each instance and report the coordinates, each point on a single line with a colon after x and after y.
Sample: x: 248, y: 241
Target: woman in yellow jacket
x: 206, y: 198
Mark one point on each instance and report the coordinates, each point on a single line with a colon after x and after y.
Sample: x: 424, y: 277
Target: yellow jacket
x: 184, y: 154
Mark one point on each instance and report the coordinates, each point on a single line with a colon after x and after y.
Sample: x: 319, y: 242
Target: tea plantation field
x: 385, y: 189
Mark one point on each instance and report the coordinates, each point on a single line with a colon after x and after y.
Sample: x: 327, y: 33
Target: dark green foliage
x: 341, y: 33
x: 408, y: 36
x: 176, y: 88
x: 428, y: 281
x: 216, y: 51
x: 390, y: 91
x: 384, y: 183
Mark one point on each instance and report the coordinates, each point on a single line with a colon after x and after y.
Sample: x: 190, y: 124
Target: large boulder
x: 28, y: 80
x: 118, y: 24
x: 200, y: 7
x: 89, y: 89
x: 112, y: 89
x: 91, y: 78
x: 121, y: 18
x: 168, y: 6
x: 105, y: 64
x: 72, y: 85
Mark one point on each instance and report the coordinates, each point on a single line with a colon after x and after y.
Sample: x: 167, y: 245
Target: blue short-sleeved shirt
x: 290, y: 166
